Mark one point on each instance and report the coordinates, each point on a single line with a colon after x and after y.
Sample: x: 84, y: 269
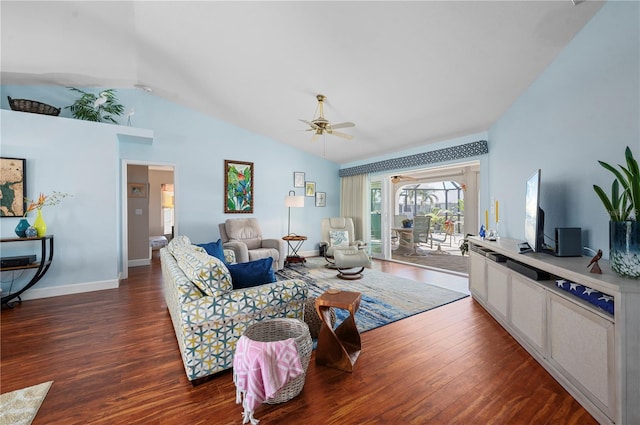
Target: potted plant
x: 407, y: 223
x: 99, y: 108
x: 623, y: 207
x: 464, y: 244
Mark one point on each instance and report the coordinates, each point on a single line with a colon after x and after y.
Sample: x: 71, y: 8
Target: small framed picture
x: 298, y: 179
x: 310, y: 188
x: 137, y: 190
x: 321, y: 199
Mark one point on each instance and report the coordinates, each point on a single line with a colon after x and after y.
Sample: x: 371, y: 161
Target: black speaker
x: 568, y: 241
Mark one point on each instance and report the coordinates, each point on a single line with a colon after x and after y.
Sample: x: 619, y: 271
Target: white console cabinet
x: 594, y: 355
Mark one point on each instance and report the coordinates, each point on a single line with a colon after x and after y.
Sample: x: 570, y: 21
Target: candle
x: 486, y: 219
x: 497, y: 212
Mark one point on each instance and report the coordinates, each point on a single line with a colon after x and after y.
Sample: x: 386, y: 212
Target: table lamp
x: 292, y: 201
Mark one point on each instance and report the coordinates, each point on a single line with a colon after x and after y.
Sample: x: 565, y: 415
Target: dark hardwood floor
x: 114, y: 359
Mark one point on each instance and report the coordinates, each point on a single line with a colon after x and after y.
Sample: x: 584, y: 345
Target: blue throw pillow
x: 253, y: 273
x: 214, y: 249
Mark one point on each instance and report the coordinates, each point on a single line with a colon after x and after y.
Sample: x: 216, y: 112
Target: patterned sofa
x: 208, y: 326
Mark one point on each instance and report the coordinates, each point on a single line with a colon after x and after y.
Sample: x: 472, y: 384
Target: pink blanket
x: 260, y: 369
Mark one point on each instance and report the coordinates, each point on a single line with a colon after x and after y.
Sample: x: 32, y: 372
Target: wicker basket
x: 25, y: 105
x: 312, y: 319
x: 278, y: 330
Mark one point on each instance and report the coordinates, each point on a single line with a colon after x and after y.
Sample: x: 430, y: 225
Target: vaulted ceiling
x: 406, y: 73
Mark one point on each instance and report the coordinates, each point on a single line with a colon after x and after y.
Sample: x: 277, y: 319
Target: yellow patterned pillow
x: 208, y: 273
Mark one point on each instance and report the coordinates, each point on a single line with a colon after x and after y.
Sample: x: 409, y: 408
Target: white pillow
x: 339, y: 238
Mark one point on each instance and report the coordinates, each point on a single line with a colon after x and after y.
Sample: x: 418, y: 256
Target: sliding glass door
x: 380, y: 228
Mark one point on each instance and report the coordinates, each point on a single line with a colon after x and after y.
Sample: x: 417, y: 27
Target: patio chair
x: 448, y: 232
x: 421, y: 232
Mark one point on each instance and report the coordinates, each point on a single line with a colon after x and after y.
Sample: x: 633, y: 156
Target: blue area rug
x: 385, y: 298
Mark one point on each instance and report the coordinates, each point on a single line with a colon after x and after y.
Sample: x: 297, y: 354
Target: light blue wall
x: 80, y: 159
x: 84, y: 159
x: 585, y: 107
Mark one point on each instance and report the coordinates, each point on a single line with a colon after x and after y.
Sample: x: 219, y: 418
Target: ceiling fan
x: 321, y: 125
x: 398, y: 179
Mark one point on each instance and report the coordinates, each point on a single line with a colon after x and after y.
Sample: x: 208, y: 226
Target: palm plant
x: 624, y: 203
x: 100, y: 108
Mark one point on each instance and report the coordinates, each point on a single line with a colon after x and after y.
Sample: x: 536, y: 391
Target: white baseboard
x: 55, y: 291
x: 138, y: 263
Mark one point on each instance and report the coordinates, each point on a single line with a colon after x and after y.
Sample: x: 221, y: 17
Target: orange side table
x: 341, y: 347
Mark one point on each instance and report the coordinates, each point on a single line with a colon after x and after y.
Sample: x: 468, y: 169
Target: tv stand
x: 592, y: 353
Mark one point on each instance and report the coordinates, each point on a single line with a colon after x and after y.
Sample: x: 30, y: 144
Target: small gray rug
x: 385, y: 298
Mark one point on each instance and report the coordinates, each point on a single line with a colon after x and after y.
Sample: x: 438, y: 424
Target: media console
x: 40, y: 267
x: 593, y: 354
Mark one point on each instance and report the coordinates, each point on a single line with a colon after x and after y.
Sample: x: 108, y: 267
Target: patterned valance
x: 441, y: 155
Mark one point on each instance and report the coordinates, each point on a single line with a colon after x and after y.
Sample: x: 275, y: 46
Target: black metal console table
x: 41, y: 267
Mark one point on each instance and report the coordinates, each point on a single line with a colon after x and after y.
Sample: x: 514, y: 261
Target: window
x: 167, y: 208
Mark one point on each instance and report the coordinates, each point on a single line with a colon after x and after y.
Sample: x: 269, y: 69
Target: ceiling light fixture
x: 143, y: 87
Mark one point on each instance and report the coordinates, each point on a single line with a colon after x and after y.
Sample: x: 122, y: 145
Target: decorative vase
x: 23, y: 225
x: 624, y: 248
x: 40, y: 225
x: 31, y: 232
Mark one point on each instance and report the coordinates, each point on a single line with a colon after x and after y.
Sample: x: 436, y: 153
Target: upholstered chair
x: 244, y: 237
x: 338, y: 233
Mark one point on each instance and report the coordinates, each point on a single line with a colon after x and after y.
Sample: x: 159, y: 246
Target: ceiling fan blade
x: 310, y: 124
x: 343, y: 125
x: 339, y: 134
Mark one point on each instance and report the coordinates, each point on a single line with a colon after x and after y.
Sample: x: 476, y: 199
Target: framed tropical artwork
x: 238, y: 187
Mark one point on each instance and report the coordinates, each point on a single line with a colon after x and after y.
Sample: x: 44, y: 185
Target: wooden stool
x: 338, y: 348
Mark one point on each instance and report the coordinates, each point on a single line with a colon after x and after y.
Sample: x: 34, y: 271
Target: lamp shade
x: 293, y: 201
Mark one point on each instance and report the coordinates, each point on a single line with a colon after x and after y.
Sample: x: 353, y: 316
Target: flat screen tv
x: 534, y: 215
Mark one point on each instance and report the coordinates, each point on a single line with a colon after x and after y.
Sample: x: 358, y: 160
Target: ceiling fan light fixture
x: 320, y: 125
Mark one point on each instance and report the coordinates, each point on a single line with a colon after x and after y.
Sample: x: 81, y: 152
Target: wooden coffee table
x: 341, y: 347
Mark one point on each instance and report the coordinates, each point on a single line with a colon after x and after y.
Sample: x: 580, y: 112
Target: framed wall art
x: 238, y: 187
x: 13, y: 178
x: 137, y: 190
x: 310, y: 188
x: 298, y: 179
x: 321, y: 199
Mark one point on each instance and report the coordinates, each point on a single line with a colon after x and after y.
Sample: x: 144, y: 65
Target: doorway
x: 148, y: 211
x: 449, y: 194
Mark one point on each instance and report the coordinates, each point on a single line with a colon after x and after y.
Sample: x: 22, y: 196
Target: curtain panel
x: 353, y: 203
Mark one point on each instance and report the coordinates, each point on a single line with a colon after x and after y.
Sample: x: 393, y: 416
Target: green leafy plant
x: 101, y: 108
x: 624, y: 203
x: 438, y: 217
x: 464, y: 244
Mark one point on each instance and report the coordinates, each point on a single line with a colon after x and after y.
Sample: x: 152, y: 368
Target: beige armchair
x: 244, y: 237
x: 337, y: 233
